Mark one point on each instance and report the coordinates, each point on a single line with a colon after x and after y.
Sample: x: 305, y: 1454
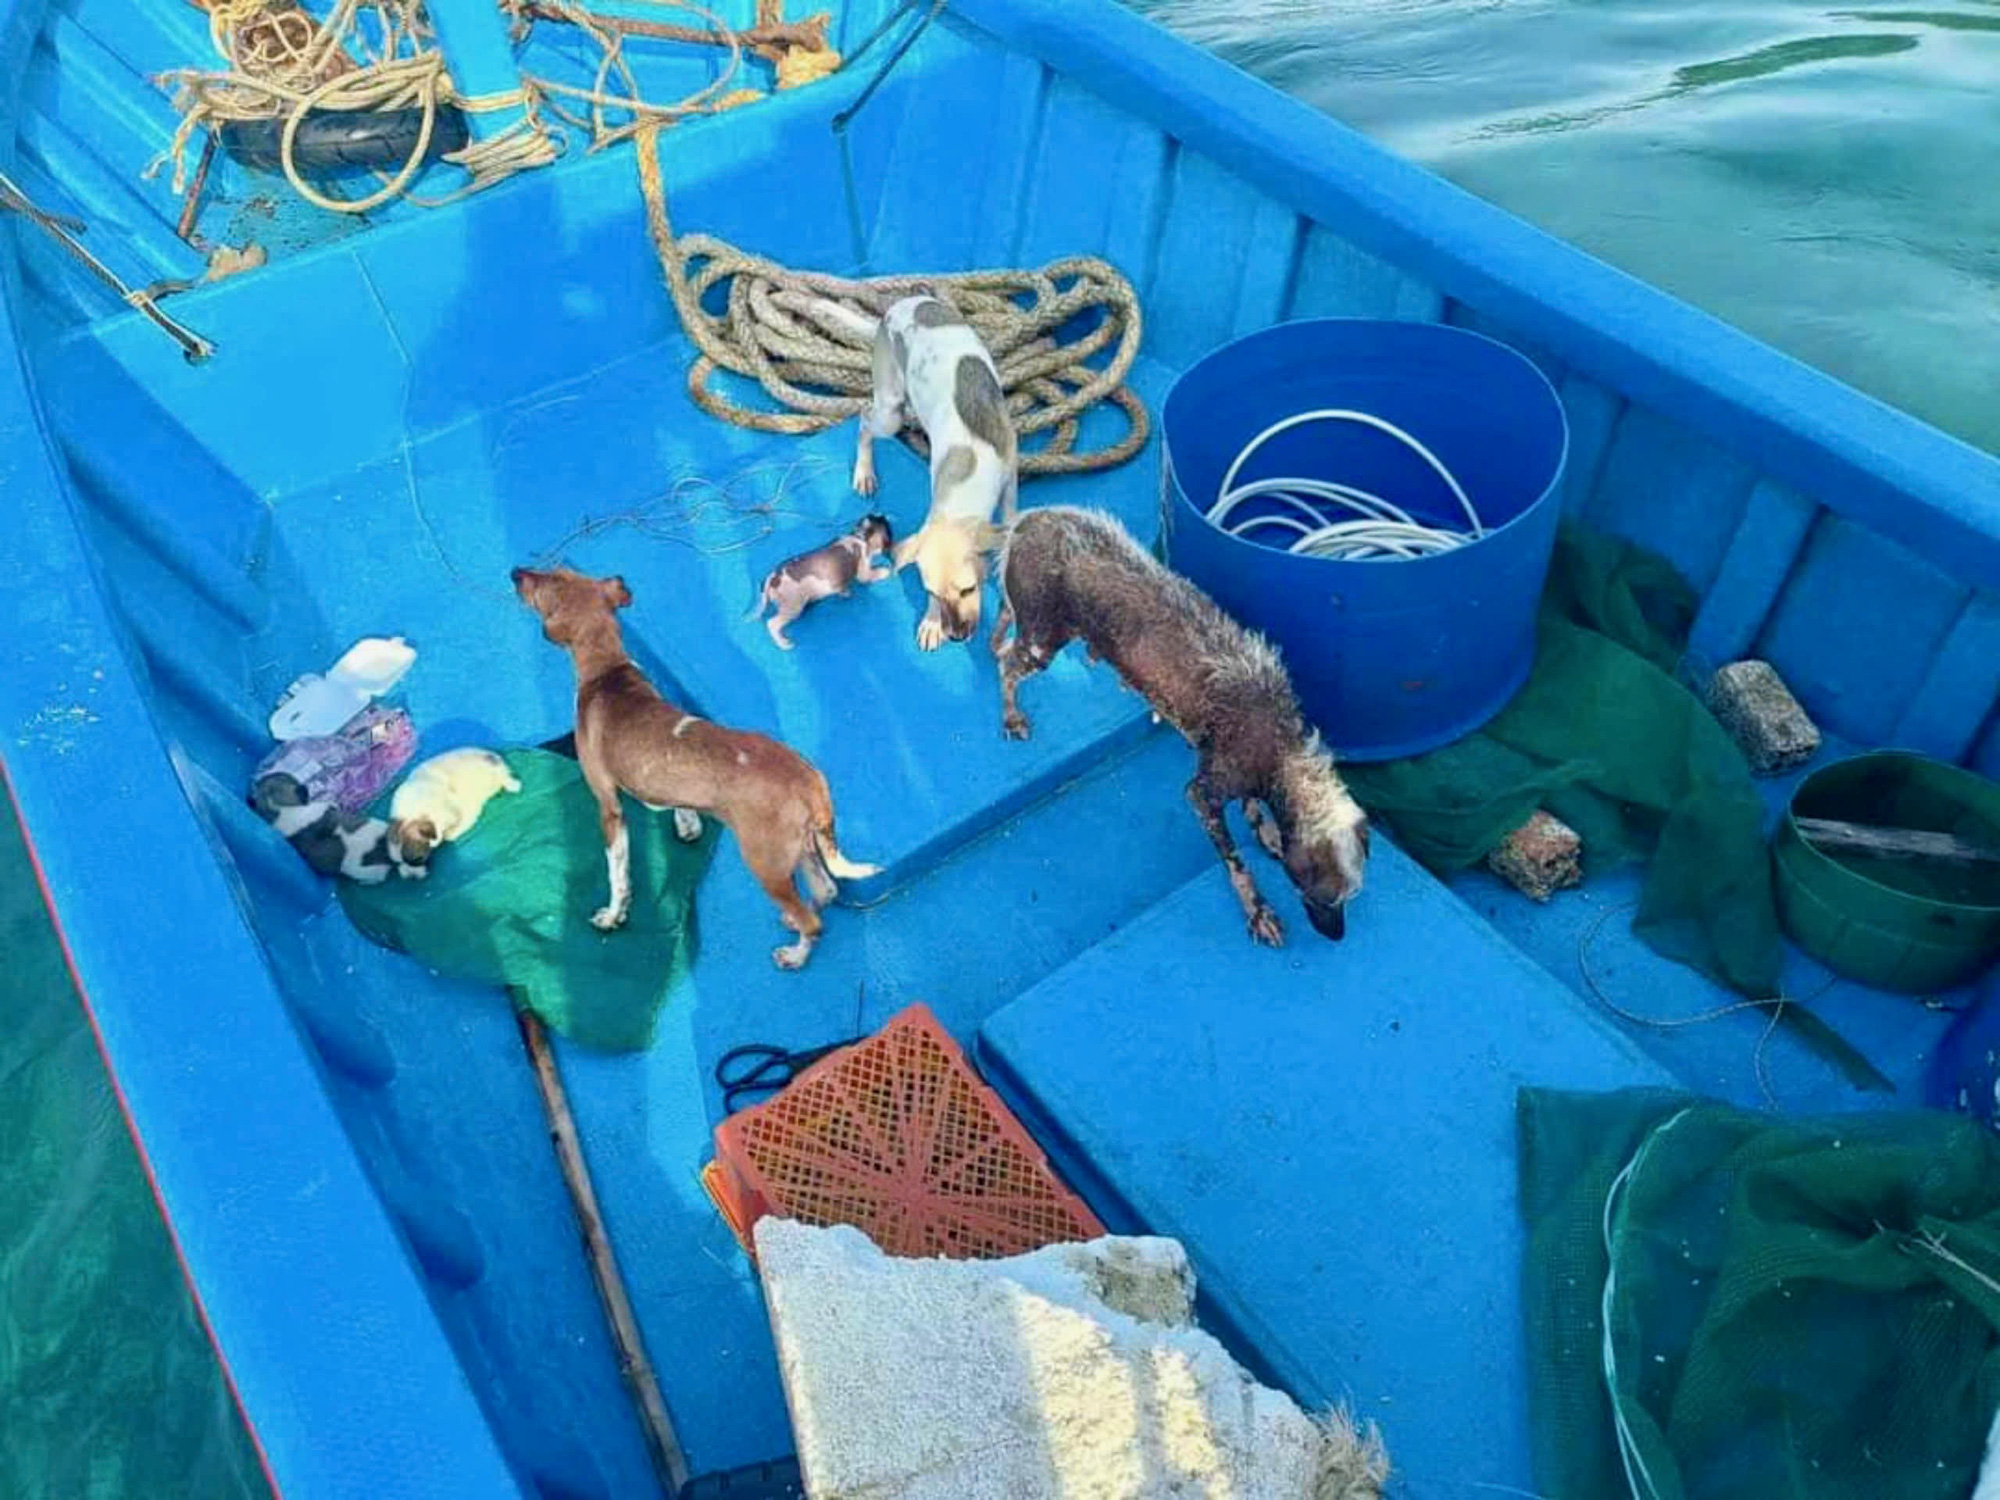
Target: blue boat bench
x: 1329, y: 1130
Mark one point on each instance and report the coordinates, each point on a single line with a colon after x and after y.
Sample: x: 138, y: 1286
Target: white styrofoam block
x: 1075, y: 1370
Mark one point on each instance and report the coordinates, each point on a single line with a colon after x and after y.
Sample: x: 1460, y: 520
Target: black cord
x: 841, y: 121
x: 771, y: 1069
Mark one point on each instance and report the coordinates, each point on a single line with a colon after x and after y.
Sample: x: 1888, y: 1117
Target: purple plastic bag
x: 348, y: 769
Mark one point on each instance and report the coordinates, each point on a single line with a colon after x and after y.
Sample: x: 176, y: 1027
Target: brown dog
x: 630, y: 739
x: 1070, y: 574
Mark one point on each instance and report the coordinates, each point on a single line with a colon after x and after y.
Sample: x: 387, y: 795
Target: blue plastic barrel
x: 1390, y: 657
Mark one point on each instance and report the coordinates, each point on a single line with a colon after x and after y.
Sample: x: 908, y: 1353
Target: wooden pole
x: 191, y: 209
x: 668, y: 1458
x: 769, y: 36
x: 1893, y: 843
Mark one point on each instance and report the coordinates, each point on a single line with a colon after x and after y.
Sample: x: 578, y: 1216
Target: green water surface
x: 108, y: 1387
x: 1824, y: 176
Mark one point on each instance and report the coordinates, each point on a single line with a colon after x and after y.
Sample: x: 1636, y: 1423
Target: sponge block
x: 1072, y: 1370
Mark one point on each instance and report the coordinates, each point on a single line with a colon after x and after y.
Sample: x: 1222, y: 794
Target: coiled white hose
x: 1377, y: 529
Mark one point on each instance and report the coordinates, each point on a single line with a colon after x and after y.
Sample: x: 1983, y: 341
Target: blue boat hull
x: 350, y: 1151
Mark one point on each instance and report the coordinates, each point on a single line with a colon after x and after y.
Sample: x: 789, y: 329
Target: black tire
x: 335, y: 140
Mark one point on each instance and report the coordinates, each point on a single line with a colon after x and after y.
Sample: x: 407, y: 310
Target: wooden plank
x: 1893, y: 843
x: 1337, y: 279
x: 1217, y: 233
x: 1670, y: 488
x: 1594, y: 413
x: 1269, y: 267
x: 1460, y: 315
x: 664, y: 1444
x: 1130, y: 160
x: 1856, y: 627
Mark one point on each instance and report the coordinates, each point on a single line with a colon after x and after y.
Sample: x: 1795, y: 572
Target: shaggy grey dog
x: 1071, y: 574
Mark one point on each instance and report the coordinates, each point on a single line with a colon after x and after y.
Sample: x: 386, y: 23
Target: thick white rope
x: 1377, y: 530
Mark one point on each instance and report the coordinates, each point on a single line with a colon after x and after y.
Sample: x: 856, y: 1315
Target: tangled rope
x: 380, y: 55
x: 820, y: 369
x: 704, y: 514
x: 284, y: 65
x: 798, y: 52
x: 610, y: 39
x: 1776, y: 1005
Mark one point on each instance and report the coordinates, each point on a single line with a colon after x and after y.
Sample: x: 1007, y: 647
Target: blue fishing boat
x: 223, y: 470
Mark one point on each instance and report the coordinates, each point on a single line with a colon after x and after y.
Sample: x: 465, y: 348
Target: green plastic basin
x: 1913, y: 926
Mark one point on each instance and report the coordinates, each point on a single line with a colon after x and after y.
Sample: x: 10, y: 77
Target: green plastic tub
x: 1913, y: 926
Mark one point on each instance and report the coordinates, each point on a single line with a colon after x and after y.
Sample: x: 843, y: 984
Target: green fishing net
x: 1608, y: 739
x: 509, y: 904
x: 1797, y: 1310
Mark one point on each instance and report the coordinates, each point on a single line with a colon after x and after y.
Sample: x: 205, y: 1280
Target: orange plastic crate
x: 897, y: 1136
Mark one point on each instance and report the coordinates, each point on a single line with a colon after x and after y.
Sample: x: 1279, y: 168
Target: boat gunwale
x: 343, y: 1376
x: 1839, y: 448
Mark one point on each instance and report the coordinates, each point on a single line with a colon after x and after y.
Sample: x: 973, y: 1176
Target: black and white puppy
x: 332, y: 842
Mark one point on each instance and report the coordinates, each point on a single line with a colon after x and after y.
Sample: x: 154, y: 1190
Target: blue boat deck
x: 1268, y: 1108
x: 909, y: 741
x: 1332, y: 1137
x: 401, y: 414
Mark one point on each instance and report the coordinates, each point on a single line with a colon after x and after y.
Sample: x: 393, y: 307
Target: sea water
x: 108, y: 1387
x: 1821, y: 175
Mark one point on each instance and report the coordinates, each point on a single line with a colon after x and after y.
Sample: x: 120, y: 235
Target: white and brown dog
x: 802, y: 581
x: 929, y: 365
x: 442, y: 798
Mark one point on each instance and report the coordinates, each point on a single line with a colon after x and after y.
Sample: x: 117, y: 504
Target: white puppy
x: 930, y: 366
x: 442, y: 798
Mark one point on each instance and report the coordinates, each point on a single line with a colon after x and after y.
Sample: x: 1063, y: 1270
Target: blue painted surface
x: 350, y: 1151
x: 1965, y: 1071
x: 1389, y: 659
x: 295, y: 1265
x: 1329, y: 1130
x: 474, y: 36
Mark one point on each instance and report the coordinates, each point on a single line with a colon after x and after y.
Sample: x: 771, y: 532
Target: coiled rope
x: 1373, y: 529
x: 819, y: 369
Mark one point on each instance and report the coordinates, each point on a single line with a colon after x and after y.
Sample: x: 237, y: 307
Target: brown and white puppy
x: 1069, y: 574
x: 802, y: 581
x: 929, y: 366
x: 630, y: 739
